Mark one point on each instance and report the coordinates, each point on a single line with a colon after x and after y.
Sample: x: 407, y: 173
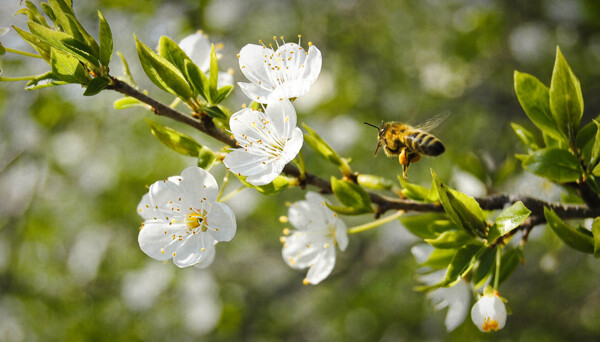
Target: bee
x: 408, y: 142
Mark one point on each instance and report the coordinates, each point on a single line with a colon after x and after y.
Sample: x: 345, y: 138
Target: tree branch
x: 385, y: 203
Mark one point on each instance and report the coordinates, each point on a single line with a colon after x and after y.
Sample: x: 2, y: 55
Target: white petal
x: 245, y: 163
x: 282, y: 116
x: 164, y: 197
x: 156, y: 244
x: 253, y: 66
x: 341, y: 235
x: 198, y: 184
x: 489, y: 313
x: 254, y: 92
x: 322, y: 267
x: 458, y: 305
x: 244, y: 122
x: 312, y: 66
x: 292, y: 146
x: 291, y: 89
x: 221, y: 217
x: 224, y: 79
x: 197, y: 47
x: 193, y: 249
x: 270, y: 172
x: 301, y: 250
x: 144, y: 208
x: 305, y: 215
x: 207, y: 259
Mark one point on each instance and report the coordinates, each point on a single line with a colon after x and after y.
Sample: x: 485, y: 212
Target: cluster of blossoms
x: 184, y: 220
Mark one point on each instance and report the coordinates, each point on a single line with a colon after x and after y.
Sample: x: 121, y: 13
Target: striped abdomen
x: 424, y: 143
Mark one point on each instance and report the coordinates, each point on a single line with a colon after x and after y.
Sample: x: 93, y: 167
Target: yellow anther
x: 305, y: 282
x: 286, y: 231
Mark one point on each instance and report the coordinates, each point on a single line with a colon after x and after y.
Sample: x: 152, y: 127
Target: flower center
x: 284, y: 64
x: 489, y: 324
x: 195, y: 220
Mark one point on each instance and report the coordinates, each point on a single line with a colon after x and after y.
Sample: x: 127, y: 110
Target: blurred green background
x: 72, y: 170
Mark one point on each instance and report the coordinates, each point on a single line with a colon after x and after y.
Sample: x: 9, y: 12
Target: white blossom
x: 268, y: 140
x: 489, y: 313
x: 183, y: 221
x: 312, y: 244
x: 197, y: 47
x: 455, y: 298
x: 287, y: 72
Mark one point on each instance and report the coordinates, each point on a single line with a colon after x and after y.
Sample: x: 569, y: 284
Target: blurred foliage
x: 73, y: 170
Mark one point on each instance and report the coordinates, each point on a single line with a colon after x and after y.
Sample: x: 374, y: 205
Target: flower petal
x: 292, y: 88
x: 292, y: 146
x: 489, y: 313
x: 301, y: 249
x: 243, y: 125
x: 254, y: 92
x: 224, y: 79
x: 207, y: 258
x: 197, y: 47
x: 341, y: 235
x: 156, y: 244
x: 282, y: 116
x: 306, y: 215
x: 221, y: 222
x: 253, y: 65
x: 312, y: 66
x: 199, y: 186
x: 245, y: 163
x: 322, y: 267
x: 193, y: 249
x: 270, y: 172
x: 162, y: 196
x: 144, y: 208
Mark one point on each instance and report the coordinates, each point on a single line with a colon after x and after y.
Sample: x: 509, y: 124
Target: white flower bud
x: 489, y: 313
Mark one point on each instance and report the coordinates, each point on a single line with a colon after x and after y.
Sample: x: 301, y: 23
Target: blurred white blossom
x: 312, y: 244
x: 455, y: 298
x: 183, y: 221
x: 197, y: 47
x: 489, y: 313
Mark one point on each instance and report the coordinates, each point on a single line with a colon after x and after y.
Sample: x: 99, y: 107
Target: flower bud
x: 489, y: 313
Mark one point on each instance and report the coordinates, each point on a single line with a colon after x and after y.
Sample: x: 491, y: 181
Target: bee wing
x: 433, y: 122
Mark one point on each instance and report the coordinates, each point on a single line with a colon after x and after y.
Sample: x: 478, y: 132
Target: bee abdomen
x: 425, y: 143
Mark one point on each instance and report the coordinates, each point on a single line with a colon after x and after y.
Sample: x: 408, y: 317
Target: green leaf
x: 33, y: 13
x: 45, y: 80
x: 511, y: 258
x: 106, y: 41
x: 485, y: 268
x: 351, y: 194
x: 321, y: 148
x: 178, y: 142
x: 87, y: 38
x: 426, y: 225
x: 596, y: 233
x: 440, y: 258
x: 162, y: 73
x: 595, y: 155
x: 206, y: 158
x: 462, y: 262
x: 349, y: 211
x: 215, y: 112
x: 463, y: 210
x: 62, y: 21
x: 127, y: 102
x: 571, y: 236
x: 526, y: 137
x: 416, y: 192
x: 374, y: 182
x: 566, y: 100
x: 65, y: 43
x: 534, y: 97
x: 197, y: 79
x: 450, y: 239
x: 67, y: 68
x: 213, y: 74
x: 126, y: 71
x: 39, y: 45
x: 222, y: 93
x: 558, y: 165
x: 171, y: 51
x: 509, y: 219
x: 278, y: 184
x: 96, y: 85
x: 49, y: 12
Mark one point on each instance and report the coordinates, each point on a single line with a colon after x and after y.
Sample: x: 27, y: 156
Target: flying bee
x: 407, y: 142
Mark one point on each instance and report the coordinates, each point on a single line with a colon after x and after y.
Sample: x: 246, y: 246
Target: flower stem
x: 498, y: 262
x: 15, y: 79
x: 225, y: 182
x: 232, y: 194
x: 19, y: 52
x: 375, y: 223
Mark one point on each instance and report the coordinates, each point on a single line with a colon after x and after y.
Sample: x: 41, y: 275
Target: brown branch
x: 384, y: 203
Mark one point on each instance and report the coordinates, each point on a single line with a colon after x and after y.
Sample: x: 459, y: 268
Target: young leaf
x: 415, y: 192
x: 566, y: 100
x: 278, y: 184
x: 484, y: 270
x: 440, y: 258
x: 462, y: 262
x: 128, y: 102
x: 213, y: 73
x: 374, y: 182
x: 96, y: 85
x: 463, y: 210
x: 450, y: 239
x: 197, y: 79
x: 321, y: 148
x: 49, y: 12
x: 222, y: 93
x: 39, y: 45
x: 555, y: 164
x: 509, y: 219
x: 351, y: 194
x: 595, y: 157
x: 526, y: 137
x: 63, y: 42
x: 348, y: 211
x: 60, y: 11
x: 106, y: 41
x: 596, y: 233
x: 126, y: 71
x: 215, y: 112
x: 422, y: 225
x: 206, y: 158
x: 67, y: 68
x: 45, y: 80
x: 171, y: 51
x: 534, y: 97
x: 33, y: 14
x: 162, y: 73
x: 571, y: 236
x: 174, y: 140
